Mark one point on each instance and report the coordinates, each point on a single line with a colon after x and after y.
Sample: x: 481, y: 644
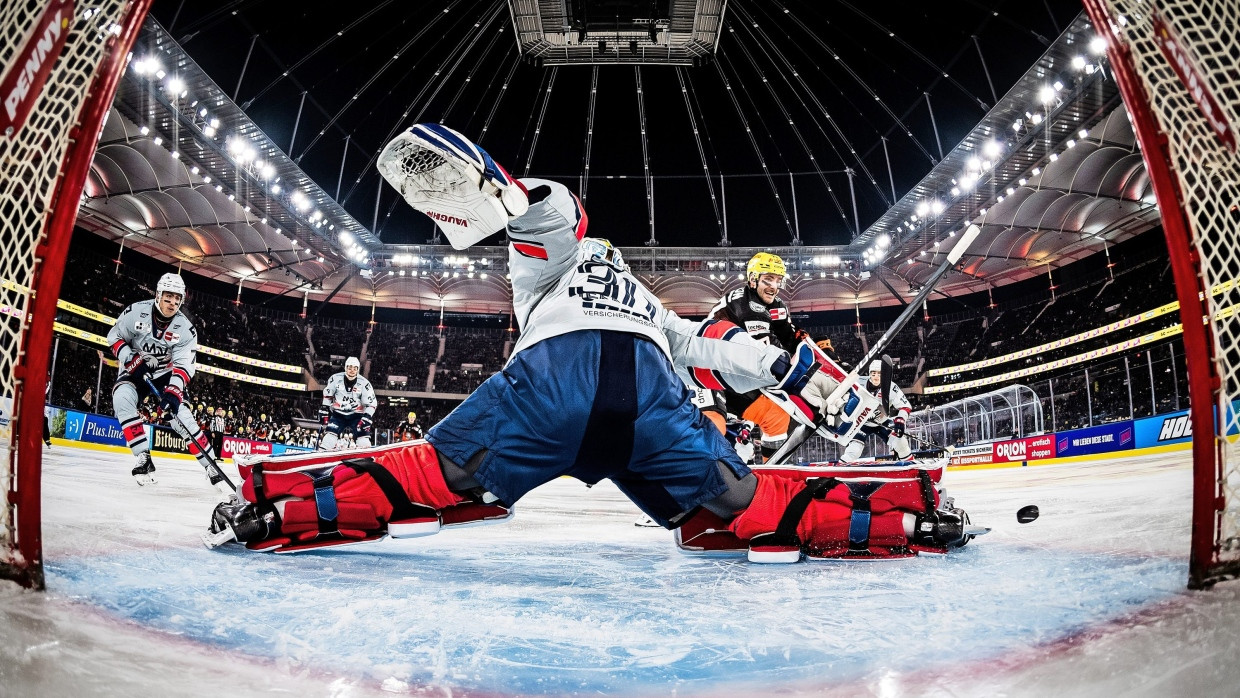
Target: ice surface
x: 571, y: 598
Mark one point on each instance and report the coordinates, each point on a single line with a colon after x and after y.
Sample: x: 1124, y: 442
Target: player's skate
x: 144, y: 471
x: 218, y: 479
x: 453, y: 181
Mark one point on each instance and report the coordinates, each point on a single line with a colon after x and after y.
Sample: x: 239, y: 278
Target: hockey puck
x: 1027, y: 514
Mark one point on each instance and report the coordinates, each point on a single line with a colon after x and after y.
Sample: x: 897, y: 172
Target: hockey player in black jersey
x: 409, y: 430
x: 757, y: 309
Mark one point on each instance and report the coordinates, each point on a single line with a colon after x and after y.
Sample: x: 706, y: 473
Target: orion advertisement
x: 1118, y: 436
x: 1032, y: 448
x: 234, y: 447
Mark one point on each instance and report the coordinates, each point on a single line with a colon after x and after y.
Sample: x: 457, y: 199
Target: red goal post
x: 1175, y: 66
x: 60, y: 64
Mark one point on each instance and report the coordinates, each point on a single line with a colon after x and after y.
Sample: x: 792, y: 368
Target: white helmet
x: 352, y: 361
x: 876, y: 365
x: 172, y: 283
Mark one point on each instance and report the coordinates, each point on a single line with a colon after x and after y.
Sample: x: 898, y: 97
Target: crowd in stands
x: 402, y: 350
x: 455, y: 360
x: 428, y: 411
x: 335, y: 341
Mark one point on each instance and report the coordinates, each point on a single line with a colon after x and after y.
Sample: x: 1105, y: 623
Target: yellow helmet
x: 765, y: 263
x: 413, y: 416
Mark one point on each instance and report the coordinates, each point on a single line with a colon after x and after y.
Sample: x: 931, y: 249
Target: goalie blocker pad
x: 870, y: 494
x: 360, y: 495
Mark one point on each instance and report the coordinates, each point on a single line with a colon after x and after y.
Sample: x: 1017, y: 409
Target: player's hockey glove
x: 897, y: 426
x: 364, y: 424
x: 170, y: 402
x: 325, y: 414
x: 140, y: 364
x: 802, y: 383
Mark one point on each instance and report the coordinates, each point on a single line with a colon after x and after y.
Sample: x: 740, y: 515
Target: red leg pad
x: 824, y: 527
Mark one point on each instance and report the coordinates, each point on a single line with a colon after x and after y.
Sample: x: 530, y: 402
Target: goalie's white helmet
x: 171, y: 283
x: 601, y: 250
x: 352, y: 362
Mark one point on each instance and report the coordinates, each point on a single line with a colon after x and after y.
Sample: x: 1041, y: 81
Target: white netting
x: 1185, y: 53
x: 30, y: 161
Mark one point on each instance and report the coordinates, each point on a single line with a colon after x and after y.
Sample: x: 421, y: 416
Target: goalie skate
x: 453, y: 181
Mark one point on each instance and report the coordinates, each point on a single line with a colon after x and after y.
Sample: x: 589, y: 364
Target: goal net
x: 60, y: 63
x: 1175, y: 62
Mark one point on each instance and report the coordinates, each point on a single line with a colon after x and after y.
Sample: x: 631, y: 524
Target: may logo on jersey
x: 779, y: 313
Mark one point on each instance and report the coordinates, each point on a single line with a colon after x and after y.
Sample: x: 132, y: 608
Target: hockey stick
x: 170, y: 417
x: 837, y: 395
x: 910, y: 310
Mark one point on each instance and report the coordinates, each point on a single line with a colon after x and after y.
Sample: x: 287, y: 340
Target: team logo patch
x: 171, y: 336
x: 779, y: 313
x: 139, y: 326
x: 757, y: 307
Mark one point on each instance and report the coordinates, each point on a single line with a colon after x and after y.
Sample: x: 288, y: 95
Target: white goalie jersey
x: 345, y: 400
x: 559, y: 288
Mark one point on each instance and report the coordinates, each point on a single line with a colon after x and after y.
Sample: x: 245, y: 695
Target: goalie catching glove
x: 456, y: 183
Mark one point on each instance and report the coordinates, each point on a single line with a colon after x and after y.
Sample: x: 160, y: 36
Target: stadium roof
x: 764, y: 143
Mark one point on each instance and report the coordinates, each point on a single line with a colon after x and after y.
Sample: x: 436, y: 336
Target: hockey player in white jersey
x: 349, y: 404
x: 155, y: 346
x: 594, y: 389
x: 888, y: 421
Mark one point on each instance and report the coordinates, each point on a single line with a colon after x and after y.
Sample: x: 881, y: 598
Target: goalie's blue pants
x: 592, y: 404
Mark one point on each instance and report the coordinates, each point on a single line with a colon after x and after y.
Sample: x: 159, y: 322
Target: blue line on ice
x: 619, y: 618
